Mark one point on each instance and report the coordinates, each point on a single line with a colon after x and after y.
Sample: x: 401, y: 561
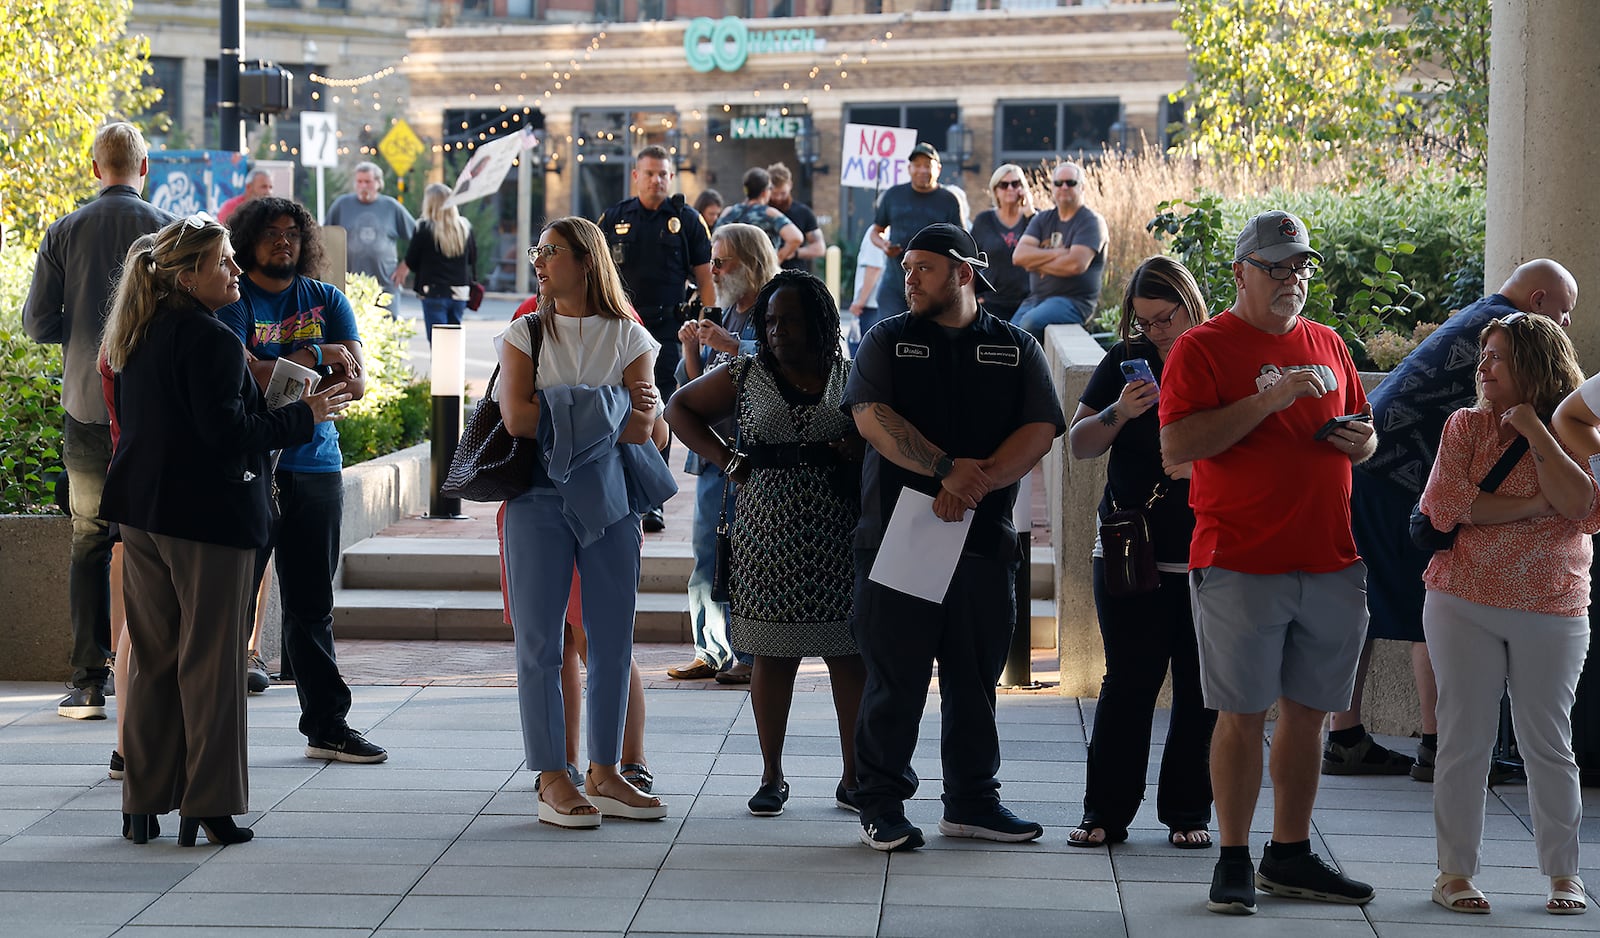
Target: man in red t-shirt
x: 1279, y: 592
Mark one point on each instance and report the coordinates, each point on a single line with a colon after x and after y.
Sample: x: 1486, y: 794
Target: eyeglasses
x: 1069, y: 183
x: 1146, y: 326
x: 545, y: 251
x: 717, y: 263
x: 1009, y: 184
x: 1280, y: 272
x: 286, y: 235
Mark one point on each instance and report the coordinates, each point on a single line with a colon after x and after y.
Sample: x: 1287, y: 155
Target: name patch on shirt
x: 911, y: 350
x: 999, y: 355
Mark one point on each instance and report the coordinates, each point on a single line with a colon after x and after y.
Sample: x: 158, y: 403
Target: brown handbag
x: 491, y: 465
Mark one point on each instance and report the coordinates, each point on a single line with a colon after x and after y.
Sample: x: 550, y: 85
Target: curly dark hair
x: 822, y: 318
x: 248, y: 221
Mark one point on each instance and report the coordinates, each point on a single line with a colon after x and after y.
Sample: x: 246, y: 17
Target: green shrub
x: 386, y: 418
x: 30, y: 398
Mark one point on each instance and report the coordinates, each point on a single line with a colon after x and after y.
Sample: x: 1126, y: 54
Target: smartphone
x: 1137, y: 369
x: 1337, y: 422
x: 711, y: 314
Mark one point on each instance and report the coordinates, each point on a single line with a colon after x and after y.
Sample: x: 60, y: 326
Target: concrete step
x: 443, y: 563
x: 475, y: 615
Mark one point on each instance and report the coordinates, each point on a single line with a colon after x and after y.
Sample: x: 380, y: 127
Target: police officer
x: 659, y: 244
x: 957, y: 405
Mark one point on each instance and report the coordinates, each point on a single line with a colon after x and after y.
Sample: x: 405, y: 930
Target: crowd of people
x: 1258, y: 526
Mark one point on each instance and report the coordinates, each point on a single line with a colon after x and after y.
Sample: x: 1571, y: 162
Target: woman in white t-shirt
x: 587, y: 338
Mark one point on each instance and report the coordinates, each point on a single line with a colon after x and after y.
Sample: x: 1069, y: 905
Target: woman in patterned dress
x: 797, y: 461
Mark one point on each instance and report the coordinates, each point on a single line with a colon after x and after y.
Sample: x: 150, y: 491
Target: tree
x: 1276, y: 80
x: 67, y: 68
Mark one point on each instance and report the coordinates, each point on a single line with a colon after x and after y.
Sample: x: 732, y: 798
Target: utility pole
x: 230, y: 123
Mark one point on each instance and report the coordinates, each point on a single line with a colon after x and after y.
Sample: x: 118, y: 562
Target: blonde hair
x: 449, y: 229
x: 119, y: 148
x: 752, y: 247
x: 1542, y: 361
x: 604, y: 294
x: 1022, y: 174
x: 150, y: 275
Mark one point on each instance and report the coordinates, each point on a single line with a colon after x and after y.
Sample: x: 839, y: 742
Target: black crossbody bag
x: 1430, y: 538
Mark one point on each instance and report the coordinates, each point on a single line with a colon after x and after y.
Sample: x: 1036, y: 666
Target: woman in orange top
x: 1508, y: 601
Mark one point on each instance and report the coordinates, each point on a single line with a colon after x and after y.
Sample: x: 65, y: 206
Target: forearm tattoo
x: 1109, y: 416
x: 907, y: 440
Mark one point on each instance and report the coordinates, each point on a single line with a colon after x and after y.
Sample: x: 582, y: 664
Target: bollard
x: 448, y: 373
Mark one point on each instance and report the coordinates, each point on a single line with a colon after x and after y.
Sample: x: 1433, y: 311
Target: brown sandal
x: 572, y: 811
x: 633, y: 805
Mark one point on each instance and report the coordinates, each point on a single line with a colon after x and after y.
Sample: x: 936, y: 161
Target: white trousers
x: 1476, y: 650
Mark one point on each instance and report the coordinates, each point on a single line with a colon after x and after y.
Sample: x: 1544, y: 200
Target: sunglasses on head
x: 194, y: 222
x: 1513, y: 319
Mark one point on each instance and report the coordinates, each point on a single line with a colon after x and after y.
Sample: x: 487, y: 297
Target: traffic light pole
x: 230, y: 123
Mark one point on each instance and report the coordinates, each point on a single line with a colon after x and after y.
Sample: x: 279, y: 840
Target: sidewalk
x: 442, y: 840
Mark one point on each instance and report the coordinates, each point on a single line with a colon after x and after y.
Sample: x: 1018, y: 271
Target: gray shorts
x: 1294, y: 635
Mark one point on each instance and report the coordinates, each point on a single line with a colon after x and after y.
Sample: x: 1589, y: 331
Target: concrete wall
x: 1391, y: 700
x: 35, y: 636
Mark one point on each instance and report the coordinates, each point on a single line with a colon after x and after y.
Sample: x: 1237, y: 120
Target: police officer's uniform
x: 966, y: 391
x: 656, y: 252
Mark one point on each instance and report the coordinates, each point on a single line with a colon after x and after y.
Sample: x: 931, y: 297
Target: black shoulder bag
x: 1129, y: 550
x: 722, y: 565
x: 1430, y: 538
x: 489, y: 464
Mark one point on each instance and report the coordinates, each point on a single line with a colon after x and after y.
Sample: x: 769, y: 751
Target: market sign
x: 768, y: 128
x: 726, y: 43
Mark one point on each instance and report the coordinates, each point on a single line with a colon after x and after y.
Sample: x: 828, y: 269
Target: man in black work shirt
x: 958, y: 405
x: 659, y: 245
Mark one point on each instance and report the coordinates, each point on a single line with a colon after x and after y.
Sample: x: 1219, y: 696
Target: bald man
x: 1409, y: 410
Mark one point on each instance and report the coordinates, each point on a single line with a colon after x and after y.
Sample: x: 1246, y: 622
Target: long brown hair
x: 150, y: 275
x: 603, y: 295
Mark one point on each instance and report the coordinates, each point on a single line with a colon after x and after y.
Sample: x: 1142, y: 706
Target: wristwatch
x: 943, y: 466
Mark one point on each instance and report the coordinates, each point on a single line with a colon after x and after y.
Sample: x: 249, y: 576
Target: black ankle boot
x: 140, y: 828
x: 219, y: 830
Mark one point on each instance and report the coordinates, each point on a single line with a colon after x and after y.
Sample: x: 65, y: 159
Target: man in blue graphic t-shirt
x: 283, y: 313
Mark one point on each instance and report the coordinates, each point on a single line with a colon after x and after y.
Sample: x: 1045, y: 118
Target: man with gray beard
x: 742, y: 261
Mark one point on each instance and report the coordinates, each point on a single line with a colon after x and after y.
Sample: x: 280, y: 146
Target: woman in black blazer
x: 188, y: 486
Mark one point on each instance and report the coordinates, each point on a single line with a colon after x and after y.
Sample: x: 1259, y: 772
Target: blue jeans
x: 540, y: 552
x: 708, y: 620
x: 1033, y: 315
x: 441, y: 311
x: 86, y: 451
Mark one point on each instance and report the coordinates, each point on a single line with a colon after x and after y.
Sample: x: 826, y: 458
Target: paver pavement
x: 442, y: 839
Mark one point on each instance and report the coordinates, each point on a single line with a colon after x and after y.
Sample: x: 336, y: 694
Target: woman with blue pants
x: 586, y: 376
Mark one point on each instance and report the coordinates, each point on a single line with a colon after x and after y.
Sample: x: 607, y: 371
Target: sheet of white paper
x: 919, y: 552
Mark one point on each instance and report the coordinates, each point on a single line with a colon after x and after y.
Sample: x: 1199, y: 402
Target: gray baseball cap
x: 1275, y: 236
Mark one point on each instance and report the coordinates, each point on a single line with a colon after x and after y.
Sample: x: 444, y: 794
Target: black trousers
x: 306, y: 544
x: 1143, y: 636
x: 86, y: 454
x: 900, y: 638
x: 665, y: 331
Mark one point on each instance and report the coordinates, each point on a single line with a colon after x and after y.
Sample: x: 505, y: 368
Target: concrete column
x: 1543, y: 68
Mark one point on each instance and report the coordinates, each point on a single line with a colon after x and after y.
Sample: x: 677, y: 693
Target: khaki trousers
x: 184, y: 707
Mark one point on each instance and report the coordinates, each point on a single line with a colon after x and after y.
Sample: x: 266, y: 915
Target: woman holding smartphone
x: 1145, y: 632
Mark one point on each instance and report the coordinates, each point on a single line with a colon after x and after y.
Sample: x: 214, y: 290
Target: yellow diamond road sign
x: 401, y: 146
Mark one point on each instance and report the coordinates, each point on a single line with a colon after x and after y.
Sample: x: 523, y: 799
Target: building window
x: 652, y: 10
x: 166, y: 73
x: 285, y: 4
x: 1034, y: 131
x: 334, y: 4
x: 603, y: 145
x: 607, y: 11
x: 763, y: 9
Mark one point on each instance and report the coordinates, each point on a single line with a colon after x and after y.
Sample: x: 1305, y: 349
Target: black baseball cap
x: 924, y: 149
x: 953, y: 241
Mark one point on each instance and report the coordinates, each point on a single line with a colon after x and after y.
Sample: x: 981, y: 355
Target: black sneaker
x: 655, y: 521
x: 891, y: 832
x: 995, y: 823
x: 1308, y: 876
x: 118, y: 767
x: 1232, y: 892
x: 769, y: 799
x: 845, y: 799
x: 352, y: 748
x: 84, y: 703
x: 256, y: 678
